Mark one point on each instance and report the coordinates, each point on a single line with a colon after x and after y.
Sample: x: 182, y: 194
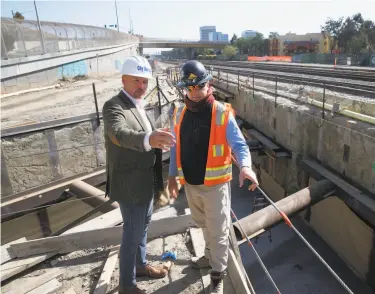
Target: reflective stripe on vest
x: 215, y: 173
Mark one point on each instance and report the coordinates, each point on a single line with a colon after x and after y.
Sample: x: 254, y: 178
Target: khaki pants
x: 210, y: 210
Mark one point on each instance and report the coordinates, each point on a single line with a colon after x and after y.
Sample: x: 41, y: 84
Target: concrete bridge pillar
x: 191, y: 52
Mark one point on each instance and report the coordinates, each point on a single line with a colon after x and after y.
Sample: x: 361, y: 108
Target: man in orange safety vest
x: 206, y: 134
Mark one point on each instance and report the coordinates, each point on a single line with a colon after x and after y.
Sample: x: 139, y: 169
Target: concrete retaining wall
x: 299, y: 128
x: 38, y: 158
x: 295, y: 127
x: 49, y: 70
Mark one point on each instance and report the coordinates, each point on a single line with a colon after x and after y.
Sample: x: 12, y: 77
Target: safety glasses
x: 195, y: 87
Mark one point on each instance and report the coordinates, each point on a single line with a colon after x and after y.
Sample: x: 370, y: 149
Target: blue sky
x: 182, y: 19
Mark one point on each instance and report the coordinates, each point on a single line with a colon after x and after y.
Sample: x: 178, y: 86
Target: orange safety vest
x: 219, y: 161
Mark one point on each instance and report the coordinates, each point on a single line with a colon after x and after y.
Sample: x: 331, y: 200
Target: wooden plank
x: 236, y: 250
x: 7, y: 254
x: 199, y: 246
x: 16, y: 266
x: 70, y: 291
x: 107, y: 220
x: 48, y: 288
x: 97, y: 238
x: 236, y: 275
x: 109, y: 267
x: 35, y: 282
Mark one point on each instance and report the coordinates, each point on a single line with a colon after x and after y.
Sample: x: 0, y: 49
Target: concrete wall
x: 293, y: 126
x: 299, y: 128
x: 28, y: 74
x: 38, y: 158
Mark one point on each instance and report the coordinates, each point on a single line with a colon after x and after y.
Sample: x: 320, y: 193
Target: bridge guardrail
x: 22, y: 38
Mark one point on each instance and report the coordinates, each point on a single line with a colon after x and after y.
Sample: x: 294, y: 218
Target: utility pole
x: 40, y: 30
x: 131, y: 30
x: 118, y: 28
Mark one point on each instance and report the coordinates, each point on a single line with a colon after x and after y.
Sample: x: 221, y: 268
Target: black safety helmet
x: 193, y: 73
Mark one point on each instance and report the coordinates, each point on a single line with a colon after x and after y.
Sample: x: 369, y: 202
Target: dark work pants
x: 134, y: 239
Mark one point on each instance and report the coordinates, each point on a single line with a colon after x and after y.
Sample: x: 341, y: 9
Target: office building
x: 205, y: 32
x: 248, y: 34
x: 218, y: 37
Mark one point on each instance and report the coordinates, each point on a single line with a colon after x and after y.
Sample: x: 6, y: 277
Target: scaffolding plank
x: 34, y: 282
x: 7, y: 254
x: 99, y: 237
x: 109, y: 267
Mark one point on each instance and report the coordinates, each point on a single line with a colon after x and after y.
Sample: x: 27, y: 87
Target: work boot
x: 151, y: 271
x: 132, y: 290
x: 199, y: 263
x: 217, y: 282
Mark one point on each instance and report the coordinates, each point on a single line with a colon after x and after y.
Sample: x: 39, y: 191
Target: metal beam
x: 268, y: 217
x: 358, y: 201
x: 270, y: 148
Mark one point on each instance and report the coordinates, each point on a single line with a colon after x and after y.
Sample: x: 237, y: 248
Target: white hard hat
x: 137, y: 66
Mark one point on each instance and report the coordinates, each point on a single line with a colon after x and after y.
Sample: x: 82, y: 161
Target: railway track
x: 367, y: 75
x: 335, y: 82
x: 349, y: 87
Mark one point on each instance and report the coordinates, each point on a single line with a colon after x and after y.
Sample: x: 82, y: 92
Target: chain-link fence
x: 20, y: 38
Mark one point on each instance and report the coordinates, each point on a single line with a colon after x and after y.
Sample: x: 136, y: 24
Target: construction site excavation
x: 307, y: 228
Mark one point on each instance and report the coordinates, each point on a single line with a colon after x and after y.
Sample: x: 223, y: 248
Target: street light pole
x: 40, y: 29
x: 118, y: 28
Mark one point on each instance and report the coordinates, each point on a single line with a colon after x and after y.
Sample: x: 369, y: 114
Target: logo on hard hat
x: 143, y: 68
x: 192, y: 76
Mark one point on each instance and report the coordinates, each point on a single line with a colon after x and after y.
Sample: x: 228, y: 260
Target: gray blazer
x: 130, y: 169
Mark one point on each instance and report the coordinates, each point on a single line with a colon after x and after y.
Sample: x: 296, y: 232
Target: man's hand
x: 162, y: 138
x: 248, y: 173
x: 172, y: 187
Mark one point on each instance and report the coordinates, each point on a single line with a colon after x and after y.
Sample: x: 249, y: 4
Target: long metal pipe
x: 269, y: 216
x: 91, y: 195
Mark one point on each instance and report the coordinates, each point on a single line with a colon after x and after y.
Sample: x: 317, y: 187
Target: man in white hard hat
x: 132, y: 145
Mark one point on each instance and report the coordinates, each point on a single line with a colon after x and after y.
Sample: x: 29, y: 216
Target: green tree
x: 274, y: 35
x: 229, y: 51
x: 234, y: 39
x: 352, y: 35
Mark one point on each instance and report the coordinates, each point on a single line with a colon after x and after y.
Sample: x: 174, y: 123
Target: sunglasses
x: 195, y: 87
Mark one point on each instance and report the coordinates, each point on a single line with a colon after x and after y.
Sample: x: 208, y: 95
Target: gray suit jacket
x: 130, y: 169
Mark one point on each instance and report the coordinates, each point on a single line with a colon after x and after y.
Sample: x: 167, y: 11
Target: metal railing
x: 21, y: 38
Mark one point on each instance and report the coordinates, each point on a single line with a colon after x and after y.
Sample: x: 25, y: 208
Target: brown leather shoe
x: 132, y: 290
x: 152, y: 271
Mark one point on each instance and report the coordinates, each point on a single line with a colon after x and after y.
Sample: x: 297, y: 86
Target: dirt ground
x: 71, y: 98
x: 82, y: 269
